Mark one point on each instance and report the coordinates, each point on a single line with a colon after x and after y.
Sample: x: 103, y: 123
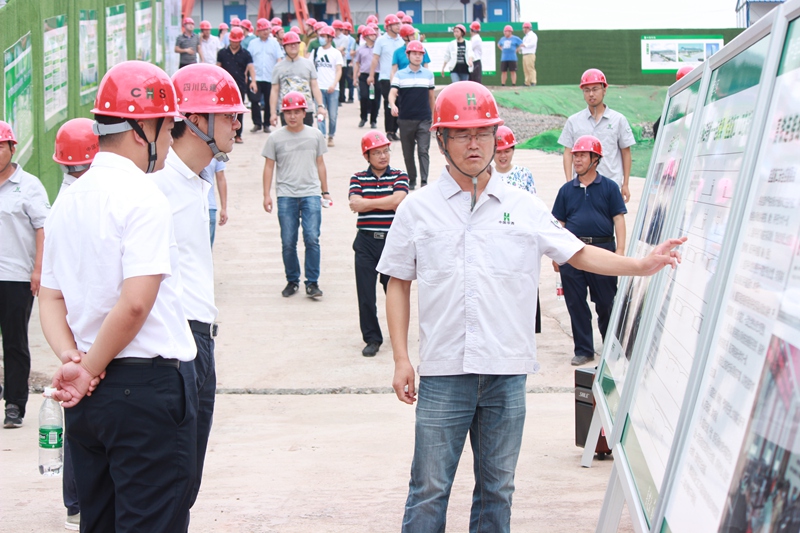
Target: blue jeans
x: 212, y: 218
x: 454, y: 77
x: 492, y: 409
x: 291, y: 212
x: 331, y: 101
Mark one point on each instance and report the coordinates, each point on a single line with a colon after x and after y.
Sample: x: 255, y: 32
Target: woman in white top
x: 458, y: 57
x: 476, y: 43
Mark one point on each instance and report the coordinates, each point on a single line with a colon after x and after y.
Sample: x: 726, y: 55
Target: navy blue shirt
x: 589, y: 211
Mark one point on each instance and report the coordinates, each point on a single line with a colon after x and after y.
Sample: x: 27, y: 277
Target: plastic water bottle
x: 326, y: 203
x: 559, y: 289
x: 372, y: 91
x: 51, y: 435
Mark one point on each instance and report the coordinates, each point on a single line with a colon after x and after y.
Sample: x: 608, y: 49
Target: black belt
x: 380, y: 235
x: 203, y: 329
x: 145, y: 361
x: 596, y: 240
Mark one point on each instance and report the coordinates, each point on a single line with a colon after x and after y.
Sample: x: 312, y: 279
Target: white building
x: 749, y: 11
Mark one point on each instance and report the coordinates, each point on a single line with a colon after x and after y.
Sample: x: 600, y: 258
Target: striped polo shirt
x: 413, y: 93
x: 369, y: 186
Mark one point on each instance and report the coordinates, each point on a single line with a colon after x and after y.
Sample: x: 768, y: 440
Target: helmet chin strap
x: 131, y: 124
x: 209, y: 137
x: 589, y: 168
x: 474, y: 178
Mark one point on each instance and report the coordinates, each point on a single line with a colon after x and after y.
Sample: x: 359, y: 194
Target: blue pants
x: 291, y: 213
x: 454, y: 77
x: 212, y: 219
x: 492, y: 410
x: 133, y: 446
x: 69, y: 490
x: 203, y: 371
x: 602, y: 290
x: 331, y: 101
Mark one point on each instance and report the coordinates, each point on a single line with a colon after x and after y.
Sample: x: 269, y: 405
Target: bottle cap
x: 48, y: 392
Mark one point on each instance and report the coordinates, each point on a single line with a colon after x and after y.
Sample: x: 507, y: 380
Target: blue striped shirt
x: 367, y: 185
x: 413, y: 93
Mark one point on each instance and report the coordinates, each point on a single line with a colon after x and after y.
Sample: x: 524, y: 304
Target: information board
x: 741, y: 468
x: 645, y: 234
x: 143, y: 24
x: 55, y: 70
x: 116, y: 35
x: 88, y: 56
x: 725, y: 124
x: 18, y: 95
x: 667, y: 53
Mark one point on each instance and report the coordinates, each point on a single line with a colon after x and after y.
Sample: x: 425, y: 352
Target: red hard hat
x: 311, y: 22
x: 337, y: 25
x: 205, y: 25
x: 319, y: 25
x: 291, y: 38
x: 400, y: 14
x: 461, y: 28
x: 588, y: 143
x: 348, y: 27
x: 406, y: 30
x: 6, y: 133
x: 372, y: 18
x: 526, y: 25
x: 76, y: 143
x: 391, y: 19
x: 294, y: 29
x: 204, y: 88
x: 223, y: 26
x: 592, y: 76
x: 508, y: 28
x: 136, y: 90
x: 276, y: 29
x: 188, y: 20
x: 235, y: 21
x: 327, y: 30
x: 683, y: 71
x: 373, y: 25
x: 505, y: 138
x: 475, y: 26
x: 237, y: 35
x: 293, y: 100
x: 407, y: 19
x: 465, y: 104
x: 247, y: 24
x: 368, y: 30
x: 373, y: 139
x: 262, y: 24
x: 415, y: 46
x: 276, y: 21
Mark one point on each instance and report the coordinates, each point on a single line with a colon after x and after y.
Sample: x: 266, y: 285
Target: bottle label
x: 51, y: 437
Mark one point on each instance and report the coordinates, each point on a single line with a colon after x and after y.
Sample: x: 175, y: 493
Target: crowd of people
x: 126, y: 293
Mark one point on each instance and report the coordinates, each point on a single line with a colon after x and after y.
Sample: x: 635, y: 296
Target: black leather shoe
x: 361, y: 123
x: 313, y: 291
x: 289, y: 290
x: 371, y: 349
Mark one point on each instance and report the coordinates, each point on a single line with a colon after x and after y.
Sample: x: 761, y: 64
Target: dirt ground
x: 308, y: 436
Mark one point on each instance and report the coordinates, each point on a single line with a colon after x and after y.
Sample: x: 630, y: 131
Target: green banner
x: 18, y: 95
x: 56, y: 72
x: 88, y: 56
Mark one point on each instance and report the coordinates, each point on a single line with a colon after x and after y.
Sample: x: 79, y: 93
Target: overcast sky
x: 629, y: 14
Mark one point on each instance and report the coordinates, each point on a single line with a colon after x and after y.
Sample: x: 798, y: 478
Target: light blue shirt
x: 265, y: 55
x: 384, y: 49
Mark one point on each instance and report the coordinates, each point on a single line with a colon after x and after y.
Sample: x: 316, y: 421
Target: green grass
x: 639, y: 104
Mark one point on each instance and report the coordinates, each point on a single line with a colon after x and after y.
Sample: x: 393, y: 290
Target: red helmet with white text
x: 464, y: 105
x: 373, y: 139
x: 391, y: 19
x: 505, y: 138
x: 262, y: 24
x: 293, y: 100
x: 236, y: 35
x: 406, y: 30
x: 415, y: 46
x: 291, y: 38
x: 592, y: 76
x: 276, y: 21
x: 76, y: 143
x: 588, y: 143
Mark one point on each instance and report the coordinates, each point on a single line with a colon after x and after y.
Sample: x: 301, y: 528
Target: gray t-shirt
x: 295, y: 76
x: 192, y: 42
x: 295, y: 156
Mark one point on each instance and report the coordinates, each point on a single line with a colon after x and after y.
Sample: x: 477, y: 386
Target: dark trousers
x: 264, y: 87
x: 203, y: 371
x: 477, y: 72
x: 346, y: 81
x: 16, y: 303
x: 69, y: 489
x: 133, y: 446
x: 368, y: 252
x: 415, y: 132
x: 240, y: 118
x: 308, y: 120
x: 389, y: 122
x: 368, y: 107
x: 602, y: 290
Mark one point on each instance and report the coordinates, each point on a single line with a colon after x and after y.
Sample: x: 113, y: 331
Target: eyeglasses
x: 229, y: 116
x: 590, y: 90
x: 465, y: 138
x: 381, y: 153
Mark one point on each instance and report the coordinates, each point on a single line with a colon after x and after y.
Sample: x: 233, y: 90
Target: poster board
x: 18, y: 95
x: 89, y: 56
x: 116, y: 35
x: 740, y: 463
x: 662, y: 54
x: 143, y: 27
x: 55, y: 71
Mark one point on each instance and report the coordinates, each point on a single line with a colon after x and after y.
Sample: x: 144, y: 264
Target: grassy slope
x: 640, y: 104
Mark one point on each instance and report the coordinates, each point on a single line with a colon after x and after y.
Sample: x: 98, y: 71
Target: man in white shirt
x: 476, y: 43
x: 211, y: 115
x: 528, y: 48
x: 76, y: 146
x: 382, y: 54
x: 474, y: 244
x: 209, y: 44
x: 266, y: 53
x: 110, y: 309
x: 329, y: 63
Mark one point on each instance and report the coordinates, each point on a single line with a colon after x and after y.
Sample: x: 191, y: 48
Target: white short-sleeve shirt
x: 24, y: 207
x: 187, y: 194
x: 477, y: 47
x: 65, y: 183
x: 477, y: 273
x: 614, y: 134
x: 110, y: 225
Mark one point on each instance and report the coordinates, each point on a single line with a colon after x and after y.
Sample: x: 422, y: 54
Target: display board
x: 741, y: 466
x: 683, y: 300
x: 56, y: 72
x: 668, y: 53
x: 18, y: 95
x: 143, y: 17
x: 116, y: 35
x: 89, y: 52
